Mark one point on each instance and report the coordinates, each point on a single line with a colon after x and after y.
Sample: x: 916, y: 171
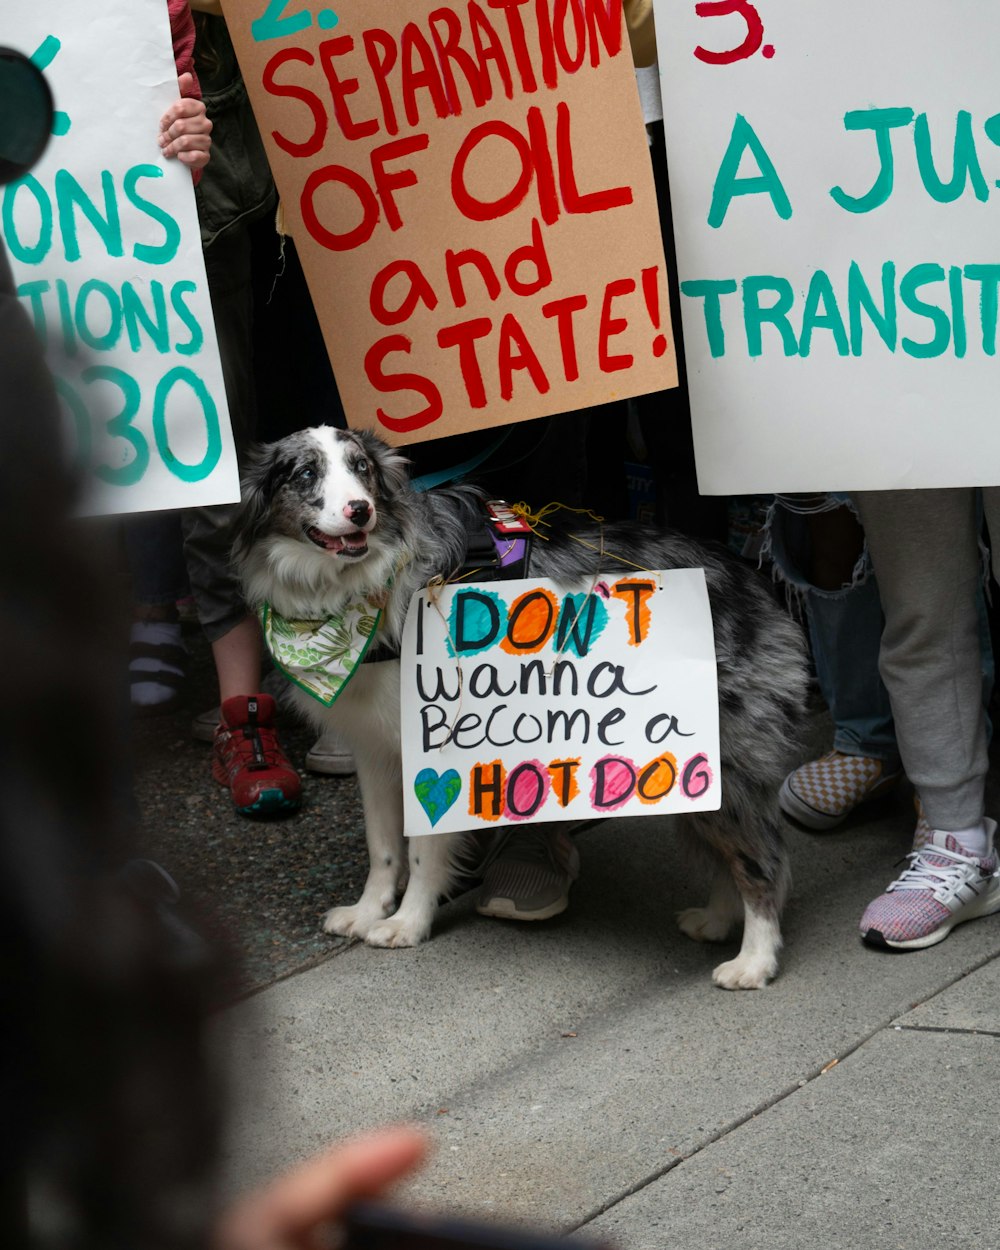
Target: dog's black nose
x: 358, y: 512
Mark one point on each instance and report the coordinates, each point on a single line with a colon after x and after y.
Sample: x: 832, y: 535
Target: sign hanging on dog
x: 522, y: 701
x: 469, y: 188
x: 105, y: 247
x: 834, y: 174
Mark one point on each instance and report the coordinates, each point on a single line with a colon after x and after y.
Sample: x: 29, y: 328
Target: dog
x: 329, y: 515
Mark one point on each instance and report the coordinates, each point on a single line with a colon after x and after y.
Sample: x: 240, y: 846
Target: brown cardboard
x: 421, y: 344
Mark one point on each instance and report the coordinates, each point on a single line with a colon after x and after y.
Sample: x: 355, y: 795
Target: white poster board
x: 103, y: 240
x: 834, y: 182
x: 523, y: 701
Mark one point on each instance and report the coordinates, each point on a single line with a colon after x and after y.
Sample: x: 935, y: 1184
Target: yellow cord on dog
x: 534, y: 519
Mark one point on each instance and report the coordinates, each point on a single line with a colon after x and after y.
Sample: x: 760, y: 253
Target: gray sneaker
x: 529, y: 874
x: 328, y: 755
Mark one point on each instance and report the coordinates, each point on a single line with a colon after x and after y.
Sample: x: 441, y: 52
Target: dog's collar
x: 321, y: 657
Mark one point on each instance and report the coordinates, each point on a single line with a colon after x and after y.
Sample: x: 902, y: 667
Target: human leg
x: 924, y: 547
x: 157, y: 655
x: 247, y: 755
x: 818, y: 549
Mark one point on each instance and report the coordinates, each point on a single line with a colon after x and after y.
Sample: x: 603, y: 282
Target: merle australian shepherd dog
x: 329, y: 516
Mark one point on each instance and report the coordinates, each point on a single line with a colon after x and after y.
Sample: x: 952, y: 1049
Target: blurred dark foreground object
x: 26, y: 114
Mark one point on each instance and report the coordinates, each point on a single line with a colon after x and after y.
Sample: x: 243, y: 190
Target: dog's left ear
x: 261, y: 477
x: 392, y: 470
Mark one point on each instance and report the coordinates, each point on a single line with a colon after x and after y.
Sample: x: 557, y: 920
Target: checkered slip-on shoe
x: 529, y: 875
x: 824, y: 792
x: 942, y: 887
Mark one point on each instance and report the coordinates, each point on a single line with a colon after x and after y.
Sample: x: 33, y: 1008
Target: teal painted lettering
x: 755, y: 315
x: 710, y: 289
x: 821, y: 312
x: 859, y: 298
x: 882, y: 122
x: 33, y: 292
x: 129, y: 471
x: 213, y: 448
x: 70, y: 197
x: 151, y: 253
x: 911, y: 282
x: 98, y: 340
x: 964, y: 162
x: 66, y: 318
x: 273, y: 23
x: 988, y: 277
x: 27, y: 253
x: 959, y: 336
x: 139, y: 318
x: 728, y: 184
x: 197, y: 340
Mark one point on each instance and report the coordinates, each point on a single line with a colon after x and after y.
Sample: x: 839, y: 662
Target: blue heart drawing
x: 436, y: 794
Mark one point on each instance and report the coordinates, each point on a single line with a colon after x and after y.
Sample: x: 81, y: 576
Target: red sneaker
x: 249, y: 760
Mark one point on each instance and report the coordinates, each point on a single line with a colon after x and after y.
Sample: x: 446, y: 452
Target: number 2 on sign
x: 754, y: 36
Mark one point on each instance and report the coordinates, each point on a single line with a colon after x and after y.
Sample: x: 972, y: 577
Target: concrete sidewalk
x: 585, y: 1073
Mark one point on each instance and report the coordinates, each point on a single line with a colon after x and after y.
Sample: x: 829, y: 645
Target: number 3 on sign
x: 754, y: 37
x: 274, y: 23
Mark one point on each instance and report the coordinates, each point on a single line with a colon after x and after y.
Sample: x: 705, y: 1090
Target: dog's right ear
x: 263, y: 473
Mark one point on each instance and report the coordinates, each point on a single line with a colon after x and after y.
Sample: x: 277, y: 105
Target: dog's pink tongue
x: 335, y: 543
x: 329, y: 541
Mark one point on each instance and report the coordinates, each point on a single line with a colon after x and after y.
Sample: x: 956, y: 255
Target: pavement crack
x: 941, y: 1028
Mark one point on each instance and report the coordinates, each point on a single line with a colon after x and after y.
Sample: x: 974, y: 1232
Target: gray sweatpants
x: 924, y: 546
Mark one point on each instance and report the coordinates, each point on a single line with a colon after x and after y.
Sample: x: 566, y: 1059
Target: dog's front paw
x: 703, y: 924
x: 742, y: 973
x: 355, y: 921
x: 399, y: 931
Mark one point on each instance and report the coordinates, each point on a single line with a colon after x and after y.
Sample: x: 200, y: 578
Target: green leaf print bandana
x: 321, y: 657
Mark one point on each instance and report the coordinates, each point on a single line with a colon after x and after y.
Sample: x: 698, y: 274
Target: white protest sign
x: 834, y: 183
x: 523, y: 701
x: 103, y: 239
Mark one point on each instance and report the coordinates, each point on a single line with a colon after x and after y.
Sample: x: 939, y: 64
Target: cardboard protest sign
x: 834, y: 182
x: 522, y: 701
x: 469, y: 188
x: 103, y: 239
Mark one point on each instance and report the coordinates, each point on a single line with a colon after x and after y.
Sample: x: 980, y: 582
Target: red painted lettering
x: 593, y: 201
x: 330, y: 239
x: 509, y: 360
x: 387, y: 181
x: 419, y: 71
x: 563, y: 310
x: 341, y: 88
x: 418, y: 291
x: 611, y: 326
x: 463, y: 336
x: 310, y: 146
x: 388, y: 383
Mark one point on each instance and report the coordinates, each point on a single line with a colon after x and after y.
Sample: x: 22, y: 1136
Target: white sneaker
x: 944, y: 886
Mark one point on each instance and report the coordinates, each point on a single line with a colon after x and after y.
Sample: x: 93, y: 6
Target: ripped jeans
x: 845, y: 630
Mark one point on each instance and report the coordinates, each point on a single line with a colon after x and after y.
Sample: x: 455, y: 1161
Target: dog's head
x: 330, y: 490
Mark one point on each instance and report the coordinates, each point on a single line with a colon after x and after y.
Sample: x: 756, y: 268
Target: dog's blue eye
x: 361, y: 466
x: 305, y: 475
